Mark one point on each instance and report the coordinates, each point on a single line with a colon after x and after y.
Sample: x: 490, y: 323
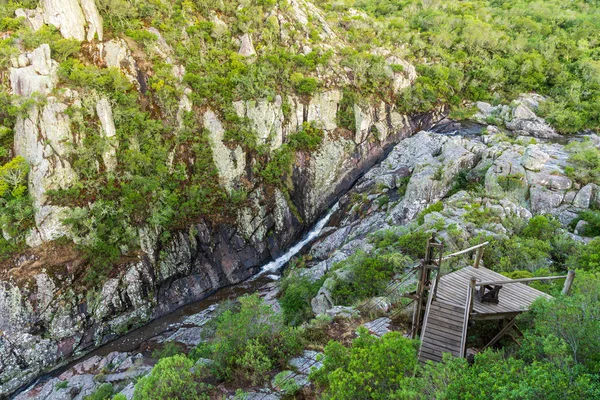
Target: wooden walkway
x: 442, y: 331
x: 446, y: 318
x: 514, y: 298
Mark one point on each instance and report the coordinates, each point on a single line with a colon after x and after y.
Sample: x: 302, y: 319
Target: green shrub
x: 61, y: 385
x: 171, y: 378
x: 592, y: 218
x: 414, y: 243
x: 364, y: 276
x: 584, y: 160
x: 103, y: 392
x: 169, y: 349
x: 372, y: 368
x: 542, y: 228
x: 435, y: 207
x: 251, y: 339
x: 296, y: 293
x: 587, y: 257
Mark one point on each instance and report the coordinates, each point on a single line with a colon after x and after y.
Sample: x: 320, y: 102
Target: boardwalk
x: 514, y: 298
x: 446, y: 320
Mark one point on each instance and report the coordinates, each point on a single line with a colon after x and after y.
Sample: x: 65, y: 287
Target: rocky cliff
x: 107, y: 112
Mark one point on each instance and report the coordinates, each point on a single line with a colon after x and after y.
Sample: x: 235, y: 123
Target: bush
x: 435, y: 207
x: 103, y: 392
x: 168, y: 350
x: 296, y: 293
x: 171, y: 378
x: 364, y: 276
x: 373, y: 368
x: 587, y: 257
x: 248, y: 341
x: 414, y: 243
x: 584, y: 158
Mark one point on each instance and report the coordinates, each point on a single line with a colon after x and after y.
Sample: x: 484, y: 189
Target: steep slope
x: 152, y: 153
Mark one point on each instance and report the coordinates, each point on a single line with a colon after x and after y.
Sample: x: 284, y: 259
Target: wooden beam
x: 568, y: 283
x: 478, y: 257
x: 468, y: 306
x: 500, y: 334
x: 543, y: 278
x: 493, y: 317
x: 458, y: 253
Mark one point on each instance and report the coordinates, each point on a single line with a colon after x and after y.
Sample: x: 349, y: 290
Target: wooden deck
x: 514, y: 298
x: 446, y: 318
x: 442, y: 331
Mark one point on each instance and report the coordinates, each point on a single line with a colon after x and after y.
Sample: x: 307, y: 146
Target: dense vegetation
x: 491, y: 51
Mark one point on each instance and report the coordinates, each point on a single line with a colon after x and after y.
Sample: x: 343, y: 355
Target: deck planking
x: 513, y: 297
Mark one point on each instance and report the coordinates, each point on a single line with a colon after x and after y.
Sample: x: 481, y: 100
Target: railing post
x: 467, y: 316
x: 478, y: 257
x: 568, y: 283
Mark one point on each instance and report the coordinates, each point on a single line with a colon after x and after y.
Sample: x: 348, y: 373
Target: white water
x: 275, y: 266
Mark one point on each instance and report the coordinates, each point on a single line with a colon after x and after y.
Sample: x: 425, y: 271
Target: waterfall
x: 275, y: 265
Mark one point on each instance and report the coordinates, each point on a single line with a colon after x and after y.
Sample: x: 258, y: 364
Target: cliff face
x: 79, y: 137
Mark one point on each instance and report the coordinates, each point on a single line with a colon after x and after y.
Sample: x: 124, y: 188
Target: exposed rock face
x: 34, y: 72
x: 547, y: 191
x: 76, y: 19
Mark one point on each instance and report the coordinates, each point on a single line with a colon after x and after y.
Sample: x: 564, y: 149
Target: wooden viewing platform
x: 468, y: 294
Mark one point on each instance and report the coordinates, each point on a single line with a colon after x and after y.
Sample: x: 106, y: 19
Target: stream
x: 145, y: 338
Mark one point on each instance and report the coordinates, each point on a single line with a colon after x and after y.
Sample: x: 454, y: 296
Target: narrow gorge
x: 161, y: 160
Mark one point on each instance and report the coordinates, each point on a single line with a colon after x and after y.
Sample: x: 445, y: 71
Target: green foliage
x: 592, y: 217
x: 169, y: 349
x: 541, y: 227
x: 584, y: 160
x: 435, y: 207
x: 373, y: 368
x: 363, y: 276
x: 304, y: 86
x: 16, y: 206
x: 103, y: 392
x: 247, y: 343
x: 296, y: 293
x: 278, y: 169
x: 285, y: 383
x: 573, y: 321
x: 414, y: 243
x: 171, y: 378
x: 491, y: 51
x: 402, y: 184
x: 494, y: 376
x: 586, y: 257
x: 511, y: 182
x: 61, y: 385
x: 345, y: 116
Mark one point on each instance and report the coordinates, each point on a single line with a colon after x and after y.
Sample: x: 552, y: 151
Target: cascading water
x: 275, y: 265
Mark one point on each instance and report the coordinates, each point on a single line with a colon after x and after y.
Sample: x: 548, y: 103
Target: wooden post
x: 568, y: 282
x: 502, y: 332
x: 467, y: 316
x: 478, y: 257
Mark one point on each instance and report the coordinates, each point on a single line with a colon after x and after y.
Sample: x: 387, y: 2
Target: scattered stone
x: 379, y: 327
x: 246, y: 46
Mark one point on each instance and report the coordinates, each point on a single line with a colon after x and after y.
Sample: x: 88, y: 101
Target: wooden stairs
x: 443, y: 331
